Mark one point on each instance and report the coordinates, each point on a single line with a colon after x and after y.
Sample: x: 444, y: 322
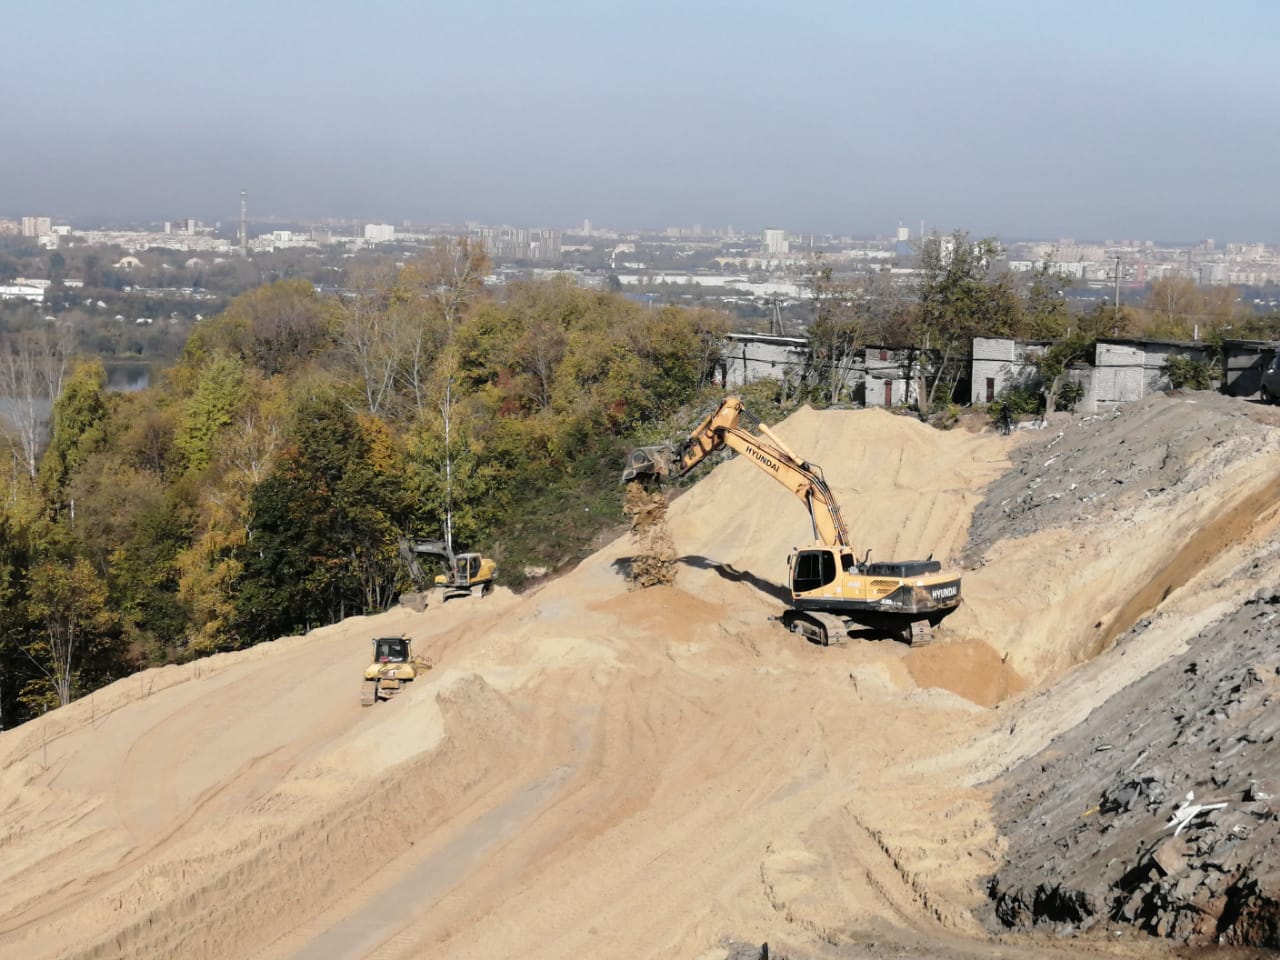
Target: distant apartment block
x: 37, y: 226
x: 775, y: 241
x: 519, y: 243
x: 379, y: 232
x: 188, y: 225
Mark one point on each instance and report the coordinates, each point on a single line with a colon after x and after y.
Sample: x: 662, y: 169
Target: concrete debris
x: 1188, y: 811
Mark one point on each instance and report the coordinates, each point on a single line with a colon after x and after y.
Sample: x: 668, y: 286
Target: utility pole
x: 1115, y: 317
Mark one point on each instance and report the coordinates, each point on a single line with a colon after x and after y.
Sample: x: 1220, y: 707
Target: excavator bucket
x: 646, y: 463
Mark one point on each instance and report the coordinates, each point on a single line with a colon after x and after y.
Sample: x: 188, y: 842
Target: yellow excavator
x: 466, y: 574
x: 392, y: 667
x: 831, y: 586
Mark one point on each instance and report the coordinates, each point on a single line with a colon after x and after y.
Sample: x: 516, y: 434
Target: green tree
x: 218, y: 393
x: 1053, y: 364
x: 1046, y: 315
x: 69, y: 603
x: 959, y: 298
x: 323, y: 527
x: 16, y: 557
x: 1187, y: 373
x: 79, y: 417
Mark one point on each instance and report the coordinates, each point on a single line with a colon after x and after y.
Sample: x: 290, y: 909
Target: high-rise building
x: 775, y: 241
x: 904, y: 233
x: 379, y: 232
x: 37, y: 226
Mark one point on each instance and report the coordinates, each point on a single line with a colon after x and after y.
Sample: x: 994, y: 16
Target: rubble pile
x: 1096, y: 465
x: 1162, y: 810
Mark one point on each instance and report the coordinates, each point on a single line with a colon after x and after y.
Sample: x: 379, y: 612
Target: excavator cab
x: 811, y: 570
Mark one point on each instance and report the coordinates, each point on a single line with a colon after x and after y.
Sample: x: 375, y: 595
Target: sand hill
x: 594, y: 771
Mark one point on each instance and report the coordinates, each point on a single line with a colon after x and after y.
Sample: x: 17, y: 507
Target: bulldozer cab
x: 391, y: 649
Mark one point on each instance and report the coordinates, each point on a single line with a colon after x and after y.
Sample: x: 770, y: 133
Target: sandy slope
x: 594, y: 772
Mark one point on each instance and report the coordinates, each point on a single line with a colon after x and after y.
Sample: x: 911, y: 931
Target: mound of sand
x: 595, y: 771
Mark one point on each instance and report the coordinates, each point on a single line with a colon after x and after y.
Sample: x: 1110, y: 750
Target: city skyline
x: 1146, y: 121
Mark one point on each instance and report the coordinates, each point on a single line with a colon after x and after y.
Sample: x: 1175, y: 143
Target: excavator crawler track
x: 823, y: 629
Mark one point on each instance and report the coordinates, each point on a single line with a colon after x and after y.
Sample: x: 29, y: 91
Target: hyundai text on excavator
x: 831, y: 585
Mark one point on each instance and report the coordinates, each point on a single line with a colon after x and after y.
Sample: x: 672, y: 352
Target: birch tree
x: 32, y: 367
x: 69, y: 602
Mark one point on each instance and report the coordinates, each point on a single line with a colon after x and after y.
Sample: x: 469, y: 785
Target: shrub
x: 1069, y: 394
x: 1186, y: 373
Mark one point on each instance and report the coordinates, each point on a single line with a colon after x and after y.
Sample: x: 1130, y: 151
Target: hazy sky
x: 1088, y: 119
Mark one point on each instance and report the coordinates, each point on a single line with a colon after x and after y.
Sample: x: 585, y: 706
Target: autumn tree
x: 277, y: 327
x: 1172, y: 302
x: 432, y: 296
x: 371, y: 336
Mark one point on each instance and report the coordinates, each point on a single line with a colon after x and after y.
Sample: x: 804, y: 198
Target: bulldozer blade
x: 645, y: 463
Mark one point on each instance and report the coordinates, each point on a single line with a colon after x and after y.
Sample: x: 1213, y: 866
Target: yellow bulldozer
x: 393, y: 665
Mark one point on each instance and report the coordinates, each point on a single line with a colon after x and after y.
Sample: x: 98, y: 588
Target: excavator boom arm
x: 804, y: 480
x: 766, y: 450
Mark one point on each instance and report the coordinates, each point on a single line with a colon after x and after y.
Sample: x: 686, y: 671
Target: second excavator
x: 831, y: 586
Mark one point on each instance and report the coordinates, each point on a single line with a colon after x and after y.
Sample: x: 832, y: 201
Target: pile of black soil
x: 1161, y: 810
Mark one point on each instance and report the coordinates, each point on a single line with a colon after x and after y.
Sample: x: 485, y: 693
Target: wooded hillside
x: 261, y: 486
